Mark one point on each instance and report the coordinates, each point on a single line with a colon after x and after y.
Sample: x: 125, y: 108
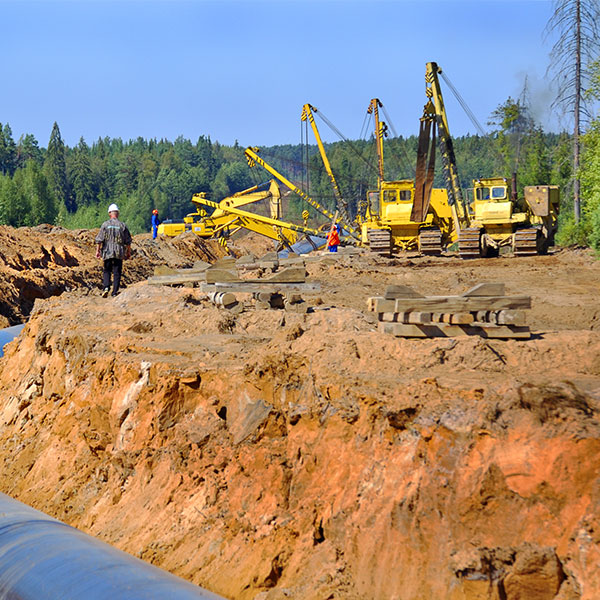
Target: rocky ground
x: 277, y: 455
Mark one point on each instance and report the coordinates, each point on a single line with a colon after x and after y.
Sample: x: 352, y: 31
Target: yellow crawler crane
x: 287, y: 234
x: 220, y: 220
x: 495, y: 218
x: 499, y: 220
x: 406, y: 214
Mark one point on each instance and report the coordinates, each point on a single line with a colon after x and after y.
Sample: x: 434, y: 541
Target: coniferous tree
x: 578, y: 24
x: 28, y: 149
x: 8, y: 151
x: 81, y: 177
x: 56, y: 169
x: 514, y: 125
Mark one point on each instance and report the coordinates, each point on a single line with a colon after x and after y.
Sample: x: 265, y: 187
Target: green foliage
x: 86, y: 217
x: 571, y: 233
x: 81, y: 176
x: 230, y: 179
x: 8, y: 151
x: 13, y: 204
x: 28, y: 149
x: 56, y: 169
x: 35, y: 195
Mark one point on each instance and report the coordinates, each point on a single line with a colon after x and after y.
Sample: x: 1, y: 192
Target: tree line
x: 72, y: 186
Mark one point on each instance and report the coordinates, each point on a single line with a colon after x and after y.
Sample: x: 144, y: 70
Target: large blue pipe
x: 8, y: 335
x: 44, y: 559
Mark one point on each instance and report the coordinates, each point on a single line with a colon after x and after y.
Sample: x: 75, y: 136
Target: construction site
x: 413, y: 416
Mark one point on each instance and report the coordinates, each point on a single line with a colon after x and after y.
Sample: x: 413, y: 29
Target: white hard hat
x: 113, y: 208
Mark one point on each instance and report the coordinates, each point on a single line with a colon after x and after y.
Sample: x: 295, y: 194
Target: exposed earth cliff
x: 279, y: 455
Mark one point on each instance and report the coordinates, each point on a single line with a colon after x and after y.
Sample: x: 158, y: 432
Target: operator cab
x: 496, y: 193
x: 493, y: 189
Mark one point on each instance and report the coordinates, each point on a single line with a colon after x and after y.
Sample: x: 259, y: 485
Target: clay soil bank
x: 277, y: 455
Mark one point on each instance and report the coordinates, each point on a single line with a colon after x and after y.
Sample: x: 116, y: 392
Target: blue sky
x: 241, y: 70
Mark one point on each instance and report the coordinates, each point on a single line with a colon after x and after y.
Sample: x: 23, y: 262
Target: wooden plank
x: 201, y: 265
x: 163, y: 270
x: 411, y: 317
x: 226, y: 262
x: 486, y: 289
x: 176, y: 279
x: 289, y: 275
x: 400, y: 291
x: 448, y: 330
x: 246, y: 287
x: 447, y: 304
x: 214, y: 275
x: 382, y: 305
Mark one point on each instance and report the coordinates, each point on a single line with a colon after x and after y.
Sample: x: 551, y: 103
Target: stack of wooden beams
x: 484, y: 310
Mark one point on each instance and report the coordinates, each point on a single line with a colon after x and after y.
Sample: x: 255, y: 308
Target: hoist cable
x: 464, y: 105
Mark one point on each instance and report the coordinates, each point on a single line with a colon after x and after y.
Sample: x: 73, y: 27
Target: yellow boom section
x: 435, y: 110
x: 253, y: 159
x: 307, y: 114
x: 276, y: 229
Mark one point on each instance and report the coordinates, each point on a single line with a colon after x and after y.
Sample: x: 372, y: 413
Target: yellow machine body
x: 494, y: 218
x: 207, y: 226
x: 390, y: 209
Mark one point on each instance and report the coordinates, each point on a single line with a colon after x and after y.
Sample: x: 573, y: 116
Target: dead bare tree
x: 577, y: 24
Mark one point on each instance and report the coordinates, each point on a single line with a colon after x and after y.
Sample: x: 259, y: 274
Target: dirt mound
x: 277, y: 455
x: 46, y: 261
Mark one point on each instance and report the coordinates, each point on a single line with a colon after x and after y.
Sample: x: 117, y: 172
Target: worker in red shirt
x: 333, y: 238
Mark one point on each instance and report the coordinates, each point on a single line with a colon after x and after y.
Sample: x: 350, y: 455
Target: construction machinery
x: 353, y: 236
x: 285, y: 233
x: 227, y: 218
x: 495, y: 218
x: 205, y: 225
x: 406, y: 214
x: 307, y: 114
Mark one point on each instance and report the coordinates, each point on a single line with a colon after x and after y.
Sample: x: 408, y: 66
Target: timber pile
x: 484, y: 310
x: 222, y: 282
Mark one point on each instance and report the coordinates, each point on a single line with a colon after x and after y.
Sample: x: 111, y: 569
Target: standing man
x: 114, y: 244
x: 155, y: 223
x: 333, y: 238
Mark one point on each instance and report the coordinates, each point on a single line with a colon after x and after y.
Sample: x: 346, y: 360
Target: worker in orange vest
x: 333, y: 238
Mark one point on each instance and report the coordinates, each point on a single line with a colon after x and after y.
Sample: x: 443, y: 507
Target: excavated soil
x: 276, y: 455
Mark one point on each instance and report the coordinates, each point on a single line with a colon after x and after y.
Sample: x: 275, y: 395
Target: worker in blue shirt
x: 155, y: 223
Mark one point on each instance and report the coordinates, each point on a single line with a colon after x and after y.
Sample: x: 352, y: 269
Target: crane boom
x: 436, y: 111
x: 287, y: 233
x: 380, y: 131
x: 342, y: 205
x: 253, y: 158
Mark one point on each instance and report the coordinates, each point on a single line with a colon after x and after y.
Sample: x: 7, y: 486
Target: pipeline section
x: 42, y: 558
x: 8, y: 335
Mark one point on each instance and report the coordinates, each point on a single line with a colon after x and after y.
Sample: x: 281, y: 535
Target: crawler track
x: 380, y: 241
x: 469, y: 243
x: 430, y: 242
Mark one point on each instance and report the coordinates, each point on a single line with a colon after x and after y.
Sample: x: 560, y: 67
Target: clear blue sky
x: 241, y: 70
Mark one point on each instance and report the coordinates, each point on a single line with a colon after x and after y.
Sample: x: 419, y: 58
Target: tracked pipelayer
x: 494, y: 218
x: 406, y: 214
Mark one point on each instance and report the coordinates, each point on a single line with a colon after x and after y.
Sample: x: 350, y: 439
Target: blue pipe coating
x: 42, y: 558
x: 8, y: 335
